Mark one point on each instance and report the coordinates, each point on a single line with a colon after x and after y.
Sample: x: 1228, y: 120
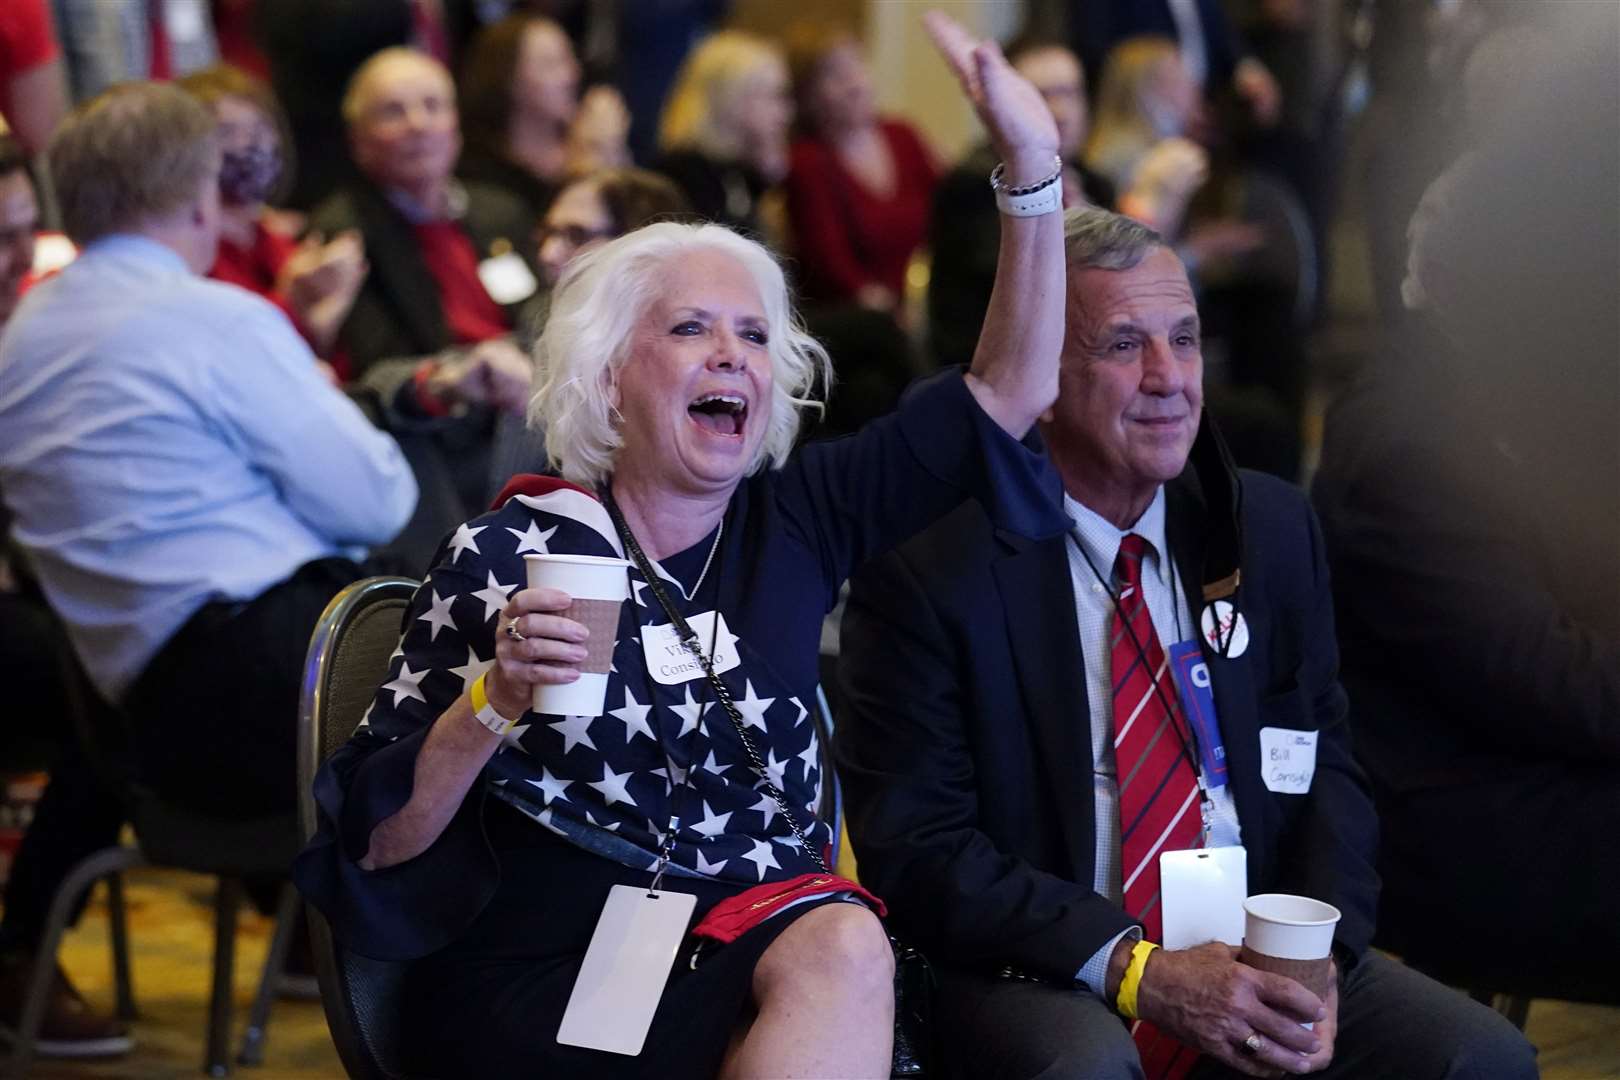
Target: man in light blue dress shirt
x: 188, y: 489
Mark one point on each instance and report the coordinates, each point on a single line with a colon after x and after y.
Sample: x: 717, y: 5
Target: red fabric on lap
x: 730, y: 919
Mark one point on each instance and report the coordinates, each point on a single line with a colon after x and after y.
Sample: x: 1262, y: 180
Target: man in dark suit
x: 1017, y: 754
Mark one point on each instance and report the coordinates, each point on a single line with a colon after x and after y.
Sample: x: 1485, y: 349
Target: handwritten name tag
x: 1287, y: 759
x: 670, y: 663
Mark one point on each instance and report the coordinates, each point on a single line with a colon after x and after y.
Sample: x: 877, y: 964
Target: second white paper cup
x: 583, y: 577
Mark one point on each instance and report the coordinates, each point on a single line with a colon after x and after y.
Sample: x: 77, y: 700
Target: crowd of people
x: 290, y: 292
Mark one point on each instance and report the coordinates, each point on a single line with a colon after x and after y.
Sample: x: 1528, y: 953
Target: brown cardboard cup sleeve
x: 601, y: 618
x: 1315, y: 975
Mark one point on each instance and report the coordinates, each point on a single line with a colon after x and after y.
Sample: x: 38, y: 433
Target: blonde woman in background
x: 1146, y: 104
x: 723, y: 137
x: 1142, y: 141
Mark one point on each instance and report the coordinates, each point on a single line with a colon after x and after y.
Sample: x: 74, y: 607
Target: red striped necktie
x: 1158, y: 789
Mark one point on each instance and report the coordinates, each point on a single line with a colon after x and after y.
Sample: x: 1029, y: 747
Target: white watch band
x: 1045, y: 196
x: 1047, y: 200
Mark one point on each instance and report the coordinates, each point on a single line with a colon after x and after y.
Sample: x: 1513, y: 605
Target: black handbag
x: 913, y: 1011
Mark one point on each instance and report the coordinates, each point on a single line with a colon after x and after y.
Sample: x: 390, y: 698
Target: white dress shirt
x: 1095, y: 537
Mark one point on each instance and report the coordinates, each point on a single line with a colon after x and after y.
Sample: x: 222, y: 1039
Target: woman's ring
x: 512, y: 631
x: 1251, y: 1046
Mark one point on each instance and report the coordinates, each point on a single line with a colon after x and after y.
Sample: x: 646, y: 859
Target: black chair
x: 348, y: 659
x: 166, y: 836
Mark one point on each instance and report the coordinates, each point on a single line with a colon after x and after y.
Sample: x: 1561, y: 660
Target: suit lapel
x: 1037, y: 601
x: 1231, y: 680
x: 400, y: 271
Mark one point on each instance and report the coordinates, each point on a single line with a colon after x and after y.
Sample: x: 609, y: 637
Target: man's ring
x: 512, y: 631
x: 1251, y: 1046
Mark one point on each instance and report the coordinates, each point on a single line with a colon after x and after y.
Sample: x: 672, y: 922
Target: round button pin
x: 1224, y: 625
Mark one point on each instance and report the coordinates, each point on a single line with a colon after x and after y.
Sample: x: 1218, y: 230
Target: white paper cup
x: 599, y: 586
x: 1290, y: 935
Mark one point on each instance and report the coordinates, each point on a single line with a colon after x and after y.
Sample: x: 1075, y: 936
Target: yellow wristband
x: 1125, y: 1003
x: 484, y: 712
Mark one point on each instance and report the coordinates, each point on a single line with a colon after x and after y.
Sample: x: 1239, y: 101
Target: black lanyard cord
x: 689, y: 639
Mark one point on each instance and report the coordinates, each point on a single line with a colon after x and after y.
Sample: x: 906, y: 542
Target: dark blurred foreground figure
x: 187, y: 487
x: 1470, y: 493
x: 1017, y: 753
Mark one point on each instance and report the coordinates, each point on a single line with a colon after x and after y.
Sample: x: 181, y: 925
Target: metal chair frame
x: 166, y: 825
x: 368, y: 1050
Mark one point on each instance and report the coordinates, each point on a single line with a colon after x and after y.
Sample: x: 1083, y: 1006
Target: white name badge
x: 507, y: 278
x: 672, y: 664
x: 1287, y: 760
x: 1201, y: 896
x: 625, y: 969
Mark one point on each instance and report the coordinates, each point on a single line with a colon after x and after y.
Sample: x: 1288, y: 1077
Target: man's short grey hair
x: 135, y: 153
x: 1097, y: 239
x: 601, y: 297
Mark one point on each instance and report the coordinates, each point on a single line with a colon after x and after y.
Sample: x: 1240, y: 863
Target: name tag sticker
x: 625, y: 968
x: 1287, y: 760
x: 671, y: 664
x: 507, y: 278
x: 1191, y: 674
x: 1201, y: 892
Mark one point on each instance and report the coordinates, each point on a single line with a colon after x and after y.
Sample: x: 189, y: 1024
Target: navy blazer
x: 965, y: 750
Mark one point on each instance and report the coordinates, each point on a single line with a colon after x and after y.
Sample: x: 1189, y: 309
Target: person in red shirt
x: 859, y: 184
x: 314, y: 282
x: 33, y: 85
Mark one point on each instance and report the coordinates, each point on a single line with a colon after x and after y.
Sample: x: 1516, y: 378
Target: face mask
x: 248, y: 174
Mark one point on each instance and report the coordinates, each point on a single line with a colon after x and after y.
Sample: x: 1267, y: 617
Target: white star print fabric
x: 609, y: 783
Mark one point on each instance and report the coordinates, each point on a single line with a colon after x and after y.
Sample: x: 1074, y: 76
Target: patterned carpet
x: 170, y: 932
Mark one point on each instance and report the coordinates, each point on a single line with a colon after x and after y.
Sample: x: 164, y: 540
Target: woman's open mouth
x: 720, y: 414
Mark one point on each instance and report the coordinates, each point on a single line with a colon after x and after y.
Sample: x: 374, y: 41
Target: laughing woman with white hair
x: 484, y: 841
